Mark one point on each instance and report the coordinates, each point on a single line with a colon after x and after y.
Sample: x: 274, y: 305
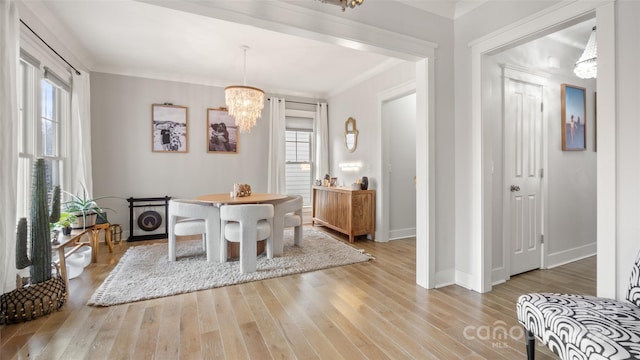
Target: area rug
x: 144, y: 272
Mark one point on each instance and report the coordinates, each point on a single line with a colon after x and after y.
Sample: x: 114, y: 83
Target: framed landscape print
x: 222, y: 132
x: 574, y: 118
x: 169, y: 128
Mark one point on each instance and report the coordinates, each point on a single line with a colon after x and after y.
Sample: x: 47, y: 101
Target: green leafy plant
x: 66, y: 219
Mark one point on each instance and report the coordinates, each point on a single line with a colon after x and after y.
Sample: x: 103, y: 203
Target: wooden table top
x: 254, y: 198
x: 65, y: 240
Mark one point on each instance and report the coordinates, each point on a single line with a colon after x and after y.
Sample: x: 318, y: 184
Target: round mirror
x: 350, y: 134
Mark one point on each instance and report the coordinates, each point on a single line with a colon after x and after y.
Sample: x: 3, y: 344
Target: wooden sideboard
x: 351, y: 212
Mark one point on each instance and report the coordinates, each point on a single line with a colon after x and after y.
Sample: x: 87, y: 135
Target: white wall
x: 124, y: 165
x: 571, y: 177
x: 361, y: 103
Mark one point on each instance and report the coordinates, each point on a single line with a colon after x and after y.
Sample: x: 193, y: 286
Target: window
x: 44, y: 111
x: 298, y: 163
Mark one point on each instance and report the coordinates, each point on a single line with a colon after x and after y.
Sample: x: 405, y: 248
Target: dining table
x: 254, y: 198
x: 233, y: 249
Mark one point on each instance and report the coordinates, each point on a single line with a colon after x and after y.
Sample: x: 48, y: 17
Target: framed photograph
x: 222, y: 133
x: 574, y: 118
x: 169, y: 128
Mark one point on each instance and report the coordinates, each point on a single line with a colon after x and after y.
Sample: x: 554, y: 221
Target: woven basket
x: 32, y: 301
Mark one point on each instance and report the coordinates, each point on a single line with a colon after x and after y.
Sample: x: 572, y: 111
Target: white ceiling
x: 139, y: 39
x: 134, y: 38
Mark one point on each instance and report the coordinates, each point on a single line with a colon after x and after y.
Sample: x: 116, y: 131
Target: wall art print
x: 574, y: 118
x: 169, y: 128
x: 222, y: 132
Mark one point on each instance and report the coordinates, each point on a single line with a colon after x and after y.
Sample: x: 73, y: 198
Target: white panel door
x: 523, y: 139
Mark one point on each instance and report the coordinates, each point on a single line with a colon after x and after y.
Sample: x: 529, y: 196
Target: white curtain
x: 79, y: 164
x: 276, y: 178
x: 9, y: 50
x: 321, y: 131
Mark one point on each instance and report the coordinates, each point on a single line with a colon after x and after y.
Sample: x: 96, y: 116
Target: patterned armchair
x: 584, y: 327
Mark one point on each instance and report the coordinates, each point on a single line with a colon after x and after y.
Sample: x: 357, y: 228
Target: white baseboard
x: 571, y: 255
x: 445, y: 278
x: 499, y: 275
x: 402, y: 233
x: 465, y: 280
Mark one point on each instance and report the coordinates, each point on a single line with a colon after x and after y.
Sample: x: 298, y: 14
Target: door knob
x: 515, y: 188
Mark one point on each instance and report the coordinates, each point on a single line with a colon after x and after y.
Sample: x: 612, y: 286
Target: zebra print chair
x: 584, y: 327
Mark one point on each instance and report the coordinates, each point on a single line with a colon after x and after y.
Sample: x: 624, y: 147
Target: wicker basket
x: 32, y: 301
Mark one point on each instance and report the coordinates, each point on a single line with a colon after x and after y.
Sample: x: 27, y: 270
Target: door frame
x: 555, y: 17
x: 515, y: 73
x: 382, y: 207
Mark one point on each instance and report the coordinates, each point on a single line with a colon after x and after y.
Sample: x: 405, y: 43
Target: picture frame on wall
x: 222, y: 132
x: 574, y: 118
x: 169, y: 128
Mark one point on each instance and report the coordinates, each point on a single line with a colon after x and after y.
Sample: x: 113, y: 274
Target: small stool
x: 95, y: 232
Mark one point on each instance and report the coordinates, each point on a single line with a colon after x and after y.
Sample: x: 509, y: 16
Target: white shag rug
x: 144, y: 272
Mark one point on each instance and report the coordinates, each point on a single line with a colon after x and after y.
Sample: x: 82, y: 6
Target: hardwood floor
x: 370, y: 310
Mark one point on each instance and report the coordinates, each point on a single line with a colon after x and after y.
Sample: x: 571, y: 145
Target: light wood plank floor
x: 371, y: 310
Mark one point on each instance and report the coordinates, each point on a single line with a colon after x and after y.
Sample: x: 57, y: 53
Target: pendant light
x: 245, y: 103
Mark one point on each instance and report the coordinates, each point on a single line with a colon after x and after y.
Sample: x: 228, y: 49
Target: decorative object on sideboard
x: 364, y: 183
x: 169, y: 128
x: 333, y: 182
x: 244, y: 102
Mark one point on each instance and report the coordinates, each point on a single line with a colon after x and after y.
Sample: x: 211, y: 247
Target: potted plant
x: 83, y: 208
x: 65, y: 222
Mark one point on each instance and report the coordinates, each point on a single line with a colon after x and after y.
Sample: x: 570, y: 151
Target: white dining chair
x: 246, y: 225
x: 189, y: 217
x: 287, y: 213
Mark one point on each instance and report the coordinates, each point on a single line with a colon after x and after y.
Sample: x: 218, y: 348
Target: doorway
x: 482, y: 177
x: 398, y: 140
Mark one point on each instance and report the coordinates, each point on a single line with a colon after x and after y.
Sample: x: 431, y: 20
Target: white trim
x: 607, y: 160
x: 571, y: 255
x: 311, y: 24
x: 402, y: 233
x: 445, y: 278
x: 536, y: 25
x: 306, y: 114
x: 500, y: 275
x: 463, y: 279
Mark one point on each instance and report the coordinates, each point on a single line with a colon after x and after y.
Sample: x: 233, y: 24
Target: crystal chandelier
x: 587, y: 65
x: 244, y: 102
x: 344, y: 3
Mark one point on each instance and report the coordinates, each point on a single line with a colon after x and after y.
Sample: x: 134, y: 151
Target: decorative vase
x: 364, y: 185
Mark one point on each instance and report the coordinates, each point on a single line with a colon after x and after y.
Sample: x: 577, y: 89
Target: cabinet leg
x: 351, y: 238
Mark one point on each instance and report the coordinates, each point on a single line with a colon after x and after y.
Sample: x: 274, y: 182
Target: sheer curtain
x: 79, y: 164
x: 9, y: 50
x: 276, y: 176
x: 321, y: 131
